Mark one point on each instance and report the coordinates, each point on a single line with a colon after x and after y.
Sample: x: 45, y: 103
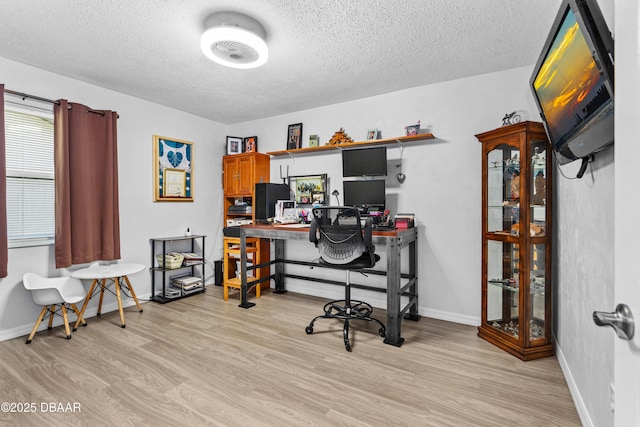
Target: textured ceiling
x: 320, y: 51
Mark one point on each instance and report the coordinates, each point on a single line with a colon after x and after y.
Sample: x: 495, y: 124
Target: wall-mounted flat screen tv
x: 370, y: 161
x: 572, y: 82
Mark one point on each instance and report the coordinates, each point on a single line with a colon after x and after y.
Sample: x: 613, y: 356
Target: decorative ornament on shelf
x: 511, y: 118
x: 339, y: 138
x: 412, y: 129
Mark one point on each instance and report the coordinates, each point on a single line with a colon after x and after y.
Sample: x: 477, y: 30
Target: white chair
x: 51, y: 292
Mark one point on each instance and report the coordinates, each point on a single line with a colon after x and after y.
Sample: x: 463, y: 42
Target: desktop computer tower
x: 266, y: 195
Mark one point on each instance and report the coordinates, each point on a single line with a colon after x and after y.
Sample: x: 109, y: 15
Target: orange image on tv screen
x: 569, y: 85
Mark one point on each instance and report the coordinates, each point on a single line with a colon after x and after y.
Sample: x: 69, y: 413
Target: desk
x: 106, y: 275
x: 393, y: 240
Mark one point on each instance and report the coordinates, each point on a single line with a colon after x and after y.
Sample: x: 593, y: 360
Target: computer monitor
x: 366, y: 195
x: 364, y: 162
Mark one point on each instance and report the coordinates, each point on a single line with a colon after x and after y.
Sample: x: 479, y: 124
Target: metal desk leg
x: 244, y: 303
x: 413, y: 289
x: 394, y: 320
x: 279, y: 279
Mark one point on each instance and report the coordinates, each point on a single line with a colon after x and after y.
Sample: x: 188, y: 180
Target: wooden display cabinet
x: 517, y: 178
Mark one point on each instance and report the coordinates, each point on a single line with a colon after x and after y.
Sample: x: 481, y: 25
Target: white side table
x: 108, y: 275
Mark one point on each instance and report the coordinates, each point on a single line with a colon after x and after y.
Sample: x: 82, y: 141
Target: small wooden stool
x: 231, y: 255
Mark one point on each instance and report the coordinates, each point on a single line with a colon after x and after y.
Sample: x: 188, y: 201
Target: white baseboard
x: 449, y: 316
x: 379, y: 300
x: 573, y: 388
x: 25, y: 330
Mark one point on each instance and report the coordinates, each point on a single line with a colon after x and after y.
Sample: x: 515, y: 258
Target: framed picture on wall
x: 234, y: 145
x: 309, y: 189
x: 173, y: 170
x: 294, y: 137
x: 251, y: 144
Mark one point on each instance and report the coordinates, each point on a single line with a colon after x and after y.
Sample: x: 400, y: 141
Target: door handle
x: 620, y: 320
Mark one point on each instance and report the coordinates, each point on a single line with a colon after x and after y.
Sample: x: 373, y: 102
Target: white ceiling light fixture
x: 234, y: 40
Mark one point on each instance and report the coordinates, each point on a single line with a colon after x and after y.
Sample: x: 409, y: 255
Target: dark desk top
x: 305, y: 228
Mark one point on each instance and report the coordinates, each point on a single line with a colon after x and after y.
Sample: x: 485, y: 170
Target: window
x: 30, y: 175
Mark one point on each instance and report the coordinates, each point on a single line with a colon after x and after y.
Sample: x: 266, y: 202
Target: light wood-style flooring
x: 201, y: 361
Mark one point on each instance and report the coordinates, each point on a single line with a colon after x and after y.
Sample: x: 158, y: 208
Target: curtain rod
x: 26, y: 95
x: 38, y: 98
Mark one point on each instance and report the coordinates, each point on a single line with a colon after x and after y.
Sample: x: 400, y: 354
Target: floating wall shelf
x: 359, y: 144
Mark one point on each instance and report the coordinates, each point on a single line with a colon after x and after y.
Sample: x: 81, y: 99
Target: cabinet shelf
x: 358, y: 144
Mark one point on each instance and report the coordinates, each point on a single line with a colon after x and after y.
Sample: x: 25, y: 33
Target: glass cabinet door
x: 538, y: 190
x: 503, y: 189
x: 537, y: 291
x: 503, y: 287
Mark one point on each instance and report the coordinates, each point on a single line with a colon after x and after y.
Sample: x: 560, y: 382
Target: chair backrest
x: 42, y: 290
x: 338, y: 234
x: 53, y: 290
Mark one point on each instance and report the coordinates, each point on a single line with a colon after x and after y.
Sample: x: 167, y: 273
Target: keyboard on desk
x: 379, y: 227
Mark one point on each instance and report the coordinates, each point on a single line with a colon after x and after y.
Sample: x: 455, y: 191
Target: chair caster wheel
x: 382, y: 332
x: 123, y: 326
x: 309, y: 330
x: 68, y: 337
x: 28, y: 341
x: 347, y: 346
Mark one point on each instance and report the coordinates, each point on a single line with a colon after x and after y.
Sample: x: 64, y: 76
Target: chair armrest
x: 368, y: 229
x: 313, y: 232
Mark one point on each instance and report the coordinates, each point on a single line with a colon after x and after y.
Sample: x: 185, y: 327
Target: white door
x: 627, y: 208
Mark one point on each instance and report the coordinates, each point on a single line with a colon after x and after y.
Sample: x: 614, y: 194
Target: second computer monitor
x: 366, y: 195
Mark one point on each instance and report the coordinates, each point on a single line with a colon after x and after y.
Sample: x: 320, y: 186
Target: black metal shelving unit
x: 164, y: 245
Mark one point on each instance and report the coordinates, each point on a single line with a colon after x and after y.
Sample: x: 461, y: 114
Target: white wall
x: 443, y: 185
x: 584, y: 277
x: 140, y: 218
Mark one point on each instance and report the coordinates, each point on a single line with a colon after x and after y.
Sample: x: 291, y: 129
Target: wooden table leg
x: 103, y: 286
x: 84, y: 306
x: 133, y: 294
x: 116, y: 282
x: 78, y: 314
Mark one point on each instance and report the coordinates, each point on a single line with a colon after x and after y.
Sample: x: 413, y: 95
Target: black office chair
x: 343, y: 243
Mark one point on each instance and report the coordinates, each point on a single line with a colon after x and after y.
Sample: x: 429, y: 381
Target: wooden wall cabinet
x: 517, y: 205
x: 240, y: 173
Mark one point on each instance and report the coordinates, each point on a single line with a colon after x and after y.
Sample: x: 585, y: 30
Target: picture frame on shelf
x: 309, y: 189
x: 373, y: 134
x: 317, y: 197
x: 173, y: 170
x: 234, y: 145
x: 413, y: 129
x: 251, y: 144
x: 294, y: 137
x: 314, y: 141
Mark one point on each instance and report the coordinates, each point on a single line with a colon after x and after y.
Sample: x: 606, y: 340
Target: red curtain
x: 86, y: 174
x: 4, y: 251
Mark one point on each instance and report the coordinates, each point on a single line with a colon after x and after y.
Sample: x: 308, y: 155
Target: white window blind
x: 30, y: 176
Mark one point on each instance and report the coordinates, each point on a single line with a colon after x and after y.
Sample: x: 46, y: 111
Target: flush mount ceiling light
x: 234, y: 40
